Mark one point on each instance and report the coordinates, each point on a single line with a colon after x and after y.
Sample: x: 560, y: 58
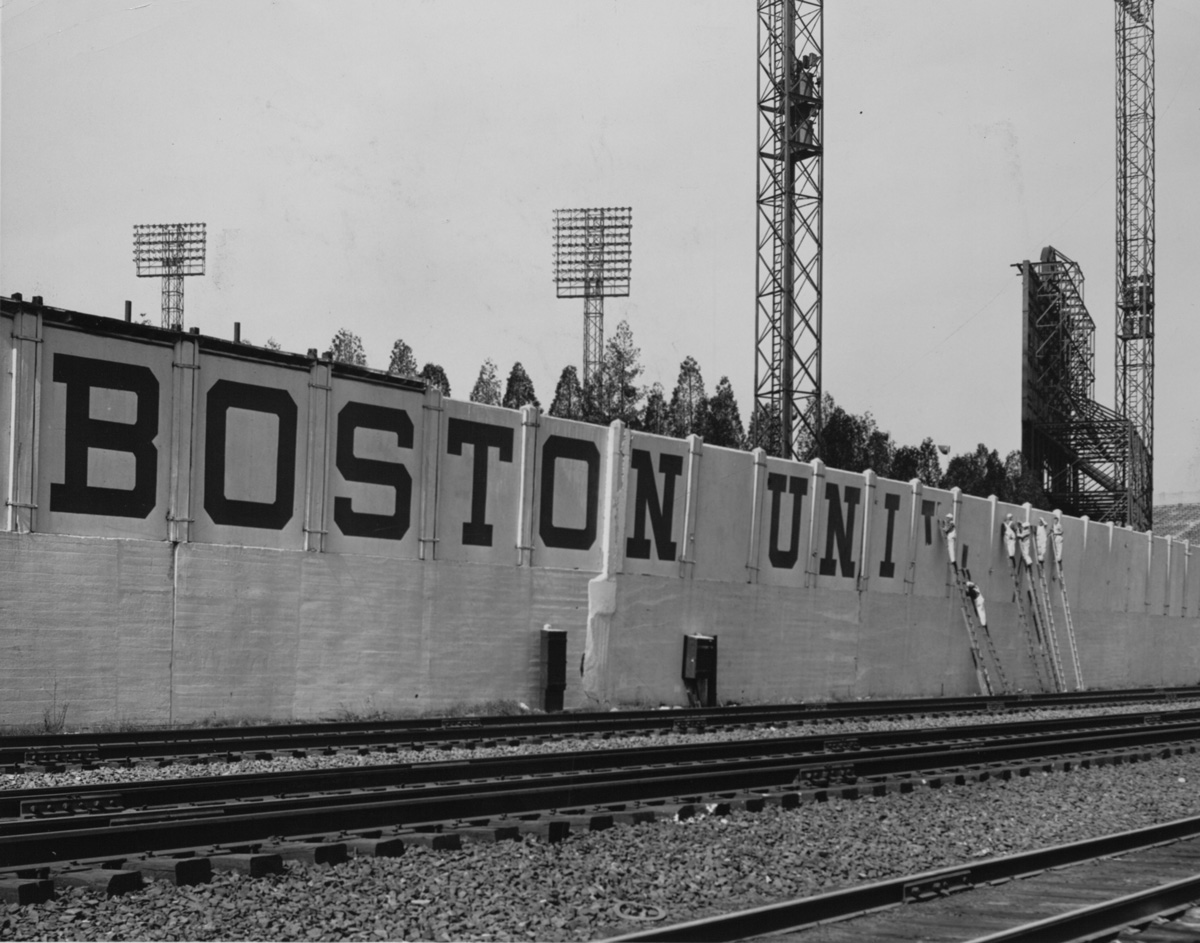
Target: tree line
x: 852, y: 442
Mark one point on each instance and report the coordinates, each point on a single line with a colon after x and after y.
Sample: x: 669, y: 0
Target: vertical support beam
x: 819, y: 513
x: 756, y: 508
x: 914, y: 523
x: 863, y: 576
x: 1167, y: 588
x: 320, y: 386
x: 1187, y: 565
x: 21, y: 501
x: 431, y: 445
x: 524, y: 535
x: 687, y: 549
x: 993, y: 530
x: 602, y: 589
x: 185, y: 381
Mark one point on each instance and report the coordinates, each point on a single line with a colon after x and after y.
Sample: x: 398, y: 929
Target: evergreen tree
x: 568, y: 395
x: 854, y: 443
x: 435, y: 378
x: 656, y: 418
x: 724, y: 418
x: 618, y: 395
x: 689, y: 405
x: 347, y: 347
x: 487, y: 385
x: 518, y: 391
x: 403, y: 363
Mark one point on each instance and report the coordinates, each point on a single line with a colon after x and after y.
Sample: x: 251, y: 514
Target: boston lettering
x: 655, y: 492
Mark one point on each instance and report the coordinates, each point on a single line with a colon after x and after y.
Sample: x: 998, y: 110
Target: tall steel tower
x: 787, y: 364
x: 173, y: 251
x: 1135, y: 246
x: 593, y: 256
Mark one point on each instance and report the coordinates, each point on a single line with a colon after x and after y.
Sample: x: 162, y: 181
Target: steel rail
x: 795, y: 915
x: 840, y: 756
x: 218, y: 740
x: 62, y: 840
x: 1104, y: 920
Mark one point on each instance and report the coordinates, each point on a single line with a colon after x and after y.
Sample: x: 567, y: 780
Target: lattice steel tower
x: 787, y: 364
x: 173, y: 251
x: 593, y: 256
x: 1135, y: 243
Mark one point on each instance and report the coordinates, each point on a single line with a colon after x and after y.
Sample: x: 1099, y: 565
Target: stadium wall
x: 196, y: 528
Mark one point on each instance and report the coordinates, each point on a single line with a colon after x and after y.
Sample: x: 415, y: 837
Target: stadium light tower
x: 1135, y: 247
x: 593, y: 255
x: 787, y: 362
x: 172, y: 251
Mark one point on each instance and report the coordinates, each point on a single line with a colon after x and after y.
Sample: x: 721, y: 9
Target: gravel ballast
x: 690, y: 868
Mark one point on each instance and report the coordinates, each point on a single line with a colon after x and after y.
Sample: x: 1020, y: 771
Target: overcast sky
x: 392, y: 167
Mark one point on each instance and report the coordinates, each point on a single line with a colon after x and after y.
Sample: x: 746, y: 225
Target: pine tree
x: 689, y: 405
x: 618, y: 395
x: 403, y: 363
x: 435, y: 378
x: 518, y: 391
x: 656, y: 418
x: 487, y: 385
x: 347, y: 347
x: 568, y: 395
x: 724, y: 418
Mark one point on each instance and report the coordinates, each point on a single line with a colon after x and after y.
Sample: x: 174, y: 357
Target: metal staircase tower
x: 787, y: 364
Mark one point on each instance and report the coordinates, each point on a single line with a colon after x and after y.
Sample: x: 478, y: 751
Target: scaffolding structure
x: 787, y: 365
x: 1135, y: 238
x: 172, y: 251
x: 593, y: 258
x: 1088, y: 458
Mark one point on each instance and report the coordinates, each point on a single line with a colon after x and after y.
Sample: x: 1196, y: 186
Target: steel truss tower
x: 1080, y: 452
x: 1135, y: 242
x: 787, y: 365
x: 592, y: 260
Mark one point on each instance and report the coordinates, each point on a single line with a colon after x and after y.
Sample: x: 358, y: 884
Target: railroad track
x: 1073, y: 892
x: 217, y: 817
x: 56, y: 751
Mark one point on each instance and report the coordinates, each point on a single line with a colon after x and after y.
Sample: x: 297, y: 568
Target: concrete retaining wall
x: 195, y: 528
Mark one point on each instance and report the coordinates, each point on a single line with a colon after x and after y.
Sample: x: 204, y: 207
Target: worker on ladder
x: 1056, y: 535
x: 951, y: 535
x: 1010, y: 539
x: 1024, y: 538
x: 975, y: 594
x: 1042, y: 539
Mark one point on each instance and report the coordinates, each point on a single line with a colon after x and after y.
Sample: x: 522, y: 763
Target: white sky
x: 391, y: 166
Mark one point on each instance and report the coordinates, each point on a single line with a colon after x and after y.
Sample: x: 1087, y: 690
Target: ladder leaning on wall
x: 1062, y: 585
x: 1031, y: 642
x: 972, y: 624
x: 1048, y: 629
